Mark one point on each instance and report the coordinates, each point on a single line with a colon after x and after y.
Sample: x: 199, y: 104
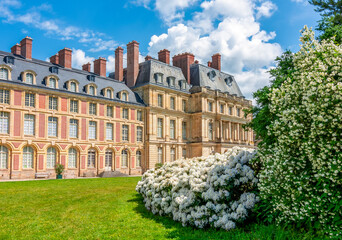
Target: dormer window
x: 52, y: 82
x: 73, y: 87
x: 182, y: 84
x: 91, y: 90
x: 212, y: 75
x: 29, y: 78
x: 4, y: 73
x: 158, y: 77
x: 229, y: 81
x: 91, y: 78
x: 54, y: 70
x: 9, y: 60
x: 124, y: 96
x: 171, y: 81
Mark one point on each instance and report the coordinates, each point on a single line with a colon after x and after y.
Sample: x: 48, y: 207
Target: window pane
x: 52, y: 83
x: 124, y: 158
x: 109, y: 111
x: 172, y: 129
x: 29, y: 100
x: 184, y: 130
x: 53, y: 103
x: 125, y: 113
x: 51, y: 158
x: 4, y: 96
x: 109, y: 131
x: 173, y: 154
x: 91, y: 158
x: 92, y: 108
x: 138, y: 159
x: 3, y: 157
x: 29, y: 78
x: 52, y: 126
x: 92, y: 130
x: 91, y: 90
x: 74, y: 106
x: 160, y: 155
x: 72, y: 158
x: 29, y: 124
x: 139, y: 134
x: 28, y: 157
x: 139, y: 115
x: 3, y: 73
x: 160, y: 128
x: 124, y: 133
x: 4, y: 122
x: 73, y: 128
x: 73, y: 87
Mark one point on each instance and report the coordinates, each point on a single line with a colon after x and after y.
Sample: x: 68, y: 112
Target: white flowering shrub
x: 214, y: 191
x: 302, y: 175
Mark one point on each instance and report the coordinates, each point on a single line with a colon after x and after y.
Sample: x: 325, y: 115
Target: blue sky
x: 248, y: 33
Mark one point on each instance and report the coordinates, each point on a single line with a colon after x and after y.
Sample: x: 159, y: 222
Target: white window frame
x: 72, y: 158
x: 52, y: 126
x: 138, y: 158
x: 4, y: 122
x: 160, y: 155
x: 109, y: 131
x: 172, y: 129
x: 3, y: 157
x: 29, y: 124
x: 124, y: 158
x: 139, y: 134
x: 28, y: 156
x: 53, y: 103
x: 30, y: 99
x: 92, y: 108
x: 74, y: 106
x: 92, y: 130
x: 51, y: 157
x: 125, y: 132
x: 73, y: 128
x: 160, y: 130
x: 4, y: 96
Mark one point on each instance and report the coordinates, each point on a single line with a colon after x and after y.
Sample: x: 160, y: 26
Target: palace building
x: 147, y: 113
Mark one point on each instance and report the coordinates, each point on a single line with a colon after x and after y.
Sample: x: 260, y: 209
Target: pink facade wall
x: 117, y: 112
x: 15, y: 161
x: 101, y: 130
x: 132, y: 114
x: 63, y: 127
x: 64, y: 104
x: 101, y: 110
x: 84, y: 107
x: 132, y: 162
x: 83, y: 162
x: 40, y: 162
x: 17, y: 123
x: 117, y: 132
x: 17, y: 97
x: 42, y: 125
x: 117, y: 162
x: 63, y: 160
x: 132, y: 133
x: 84, y: 129
x: 42, y: 101
x: 101, y: 161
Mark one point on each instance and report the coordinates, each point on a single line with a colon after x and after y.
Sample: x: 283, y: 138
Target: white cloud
x: 230, y: 28
x: 34, y: 18
x: 79, y: 58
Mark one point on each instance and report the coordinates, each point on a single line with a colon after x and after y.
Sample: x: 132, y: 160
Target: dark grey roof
x: 205, y: 76
x: 42, y: 69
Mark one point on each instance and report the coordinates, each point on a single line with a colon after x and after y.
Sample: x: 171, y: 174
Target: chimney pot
x: 216, y: 61
x: 16, y: 49
x: 26, y: 47
x: 64, y: 56
x: 100, y: 66
x: 132, y: 63
x: 54, y: 59
x: 119, y: 63
x: 164, y: 56
x: 86, y: 67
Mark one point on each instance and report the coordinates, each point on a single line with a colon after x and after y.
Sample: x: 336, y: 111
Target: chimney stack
x: 54, y: 59
x: 148, y: 57
x: 65, y: 57
x: 100, y: 66
x: 16, y: 49
x: 26, y: 48
x: 209, y: 63
x: 132, y: 63
x: 86, y: 67
x: 119, y: 63
x: 164, y: 56
x: 216, y: 61
x: 184, y: 61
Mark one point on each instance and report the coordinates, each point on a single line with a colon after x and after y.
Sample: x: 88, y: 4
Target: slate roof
x: 42, y: 69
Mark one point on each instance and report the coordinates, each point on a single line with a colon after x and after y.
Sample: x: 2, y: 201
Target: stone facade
x: 152, y: 112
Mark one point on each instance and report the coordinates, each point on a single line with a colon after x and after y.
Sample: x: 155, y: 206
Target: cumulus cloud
x: 231, y: 28
x: 79, y: 58
x: 33, y: 17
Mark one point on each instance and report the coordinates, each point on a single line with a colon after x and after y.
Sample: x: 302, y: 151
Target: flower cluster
x: 212, y: 191
x: 302, y: 175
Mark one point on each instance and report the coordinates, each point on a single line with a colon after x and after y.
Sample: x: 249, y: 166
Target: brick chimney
x: 216, y: 59
x: 16, y: 49
x: 100, y: 66
x: 132, y: 63
x: 209, y: 63
x: 86, y: 67
x: 26, y: 48
x: 54, y: 59
x: 148, y: 57
x: 119, y: 63
x: 65, y: 57
x: 184, y: 61
x: 164, y: 56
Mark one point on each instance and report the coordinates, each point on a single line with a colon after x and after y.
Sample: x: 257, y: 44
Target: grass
x: 107, y: 208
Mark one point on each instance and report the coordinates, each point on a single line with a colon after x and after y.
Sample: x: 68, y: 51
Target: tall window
x: 72, y: 158
x: 109, y: 93
x: 91, y: 158
x: 172, y: 103
x: 210, y: 131
x: 160, y: 100
x: 109, y: 111
x: 184, y: 130
x: 92, y: 130
x: 125, y: 113
x: 172, y: 129
x: 28, y: 155
x: 222, y: 108
x: 160, y: 128
x: 51, y: 157
x: 184, y: 152
x: 139, y: 115
x: 4, y: 96
x: 210, y: 106
x: 73, y: 128
x: 109, y: 158
x: 3, y: 157
x: 74, y: 106
x: 52, y: 83
x: 73, y: 87
x: 29, y: 78
x: 138, y: 158
x: 4, y: 122
x: 124, y: 158
x: 92, y: 90
x: 29, y: 122
x: 139, y: 134
x: 3, y: 73
x: 173, y: 154
x: 109, y: 131
x: 92, y: 108
x: 124, y: 132
x: 29, y: 99
x: 238, y: 112
x: 53, y: 103
x: 230, y: 111
x: 184, y: 105
x: 160, y: 155
x: 52, y: 126
x: 124, y: 96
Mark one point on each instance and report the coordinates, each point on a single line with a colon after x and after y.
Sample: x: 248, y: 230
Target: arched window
x: 73, y: 87
x: 92, y: 90
x: 51, y: 157
x: 109, y: 93
x: 124, y: 96
x: 108, y: 160
x: 138, y: 159
x: 124, y: 158
x: 29, y: 78
x: 91, y: 158
x: 3, y: 157
x: 52, y: 82
x: 28, y: 155
x: 4, y: 73
x: 72, y: 158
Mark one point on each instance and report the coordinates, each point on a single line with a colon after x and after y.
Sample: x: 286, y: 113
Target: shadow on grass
x: 177, y: 231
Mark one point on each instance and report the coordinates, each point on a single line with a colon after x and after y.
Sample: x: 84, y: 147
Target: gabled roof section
x: 205, y: 76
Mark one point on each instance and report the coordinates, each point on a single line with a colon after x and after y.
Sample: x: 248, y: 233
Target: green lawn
x: 99, y: 209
